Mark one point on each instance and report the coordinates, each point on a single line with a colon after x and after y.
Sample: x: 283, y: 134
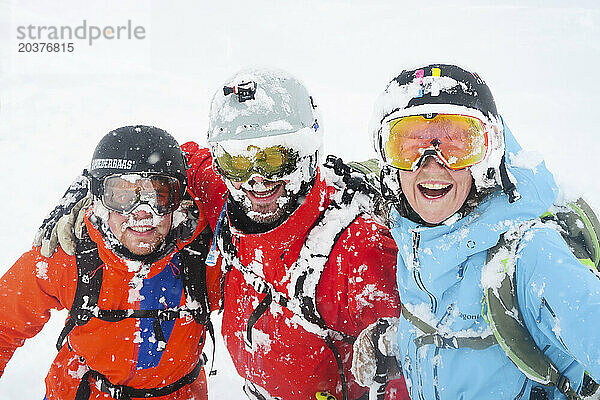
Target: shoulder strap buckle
x: 168, y: 315
x: 563, y: 384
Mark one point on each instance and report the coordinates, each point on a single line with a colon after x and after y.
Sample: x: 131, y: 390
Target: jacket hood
x: 442, y: 249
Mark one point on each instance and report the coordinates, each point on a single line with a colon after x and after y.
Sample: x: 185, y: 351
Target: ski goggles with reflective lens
x: 123, y: 193
x: 459, y: 141
x: 271, y: 163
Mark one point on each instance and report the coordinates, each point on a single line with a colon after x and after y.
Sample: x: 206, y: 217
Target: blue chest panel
x: 162, y: 291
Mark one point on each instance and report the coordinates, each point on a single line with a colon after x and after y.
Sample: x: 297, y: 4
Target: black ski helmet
x: 446, y: 89
x: 470, y: 92
x: 137, y: 149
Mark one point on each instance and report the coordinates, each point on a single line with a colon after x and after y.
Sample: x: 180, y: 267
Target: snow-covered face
x: 141, y: 231
x: 262, y: 200
x: 266, y: 201
x: 434, y: 191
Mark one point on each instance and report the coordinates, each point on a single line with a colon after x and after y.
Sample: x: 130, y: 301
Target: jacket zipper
x: 416, y: 238
x: 418, y: 367
x: 436, y: 381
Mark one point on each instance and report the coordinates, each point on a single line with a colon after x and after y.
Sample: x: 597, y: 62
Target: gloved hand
x: 365, y: 360
x: 185, y: 218
x: 65, y: 220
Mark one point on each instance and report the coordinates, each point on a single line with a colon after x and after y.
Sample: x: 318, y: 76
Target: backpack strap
x: 431, y: 335
x: 122, y: 392
x: 304, y: 274
x: 89, y: 284
x: 357, y: 197
x: 315, y: 325
x: 506, y: 320
x: 193, y: 275
x: 193, y: 263
x: 230, y: 256
x: 592, y: 225
x: 87, y: 292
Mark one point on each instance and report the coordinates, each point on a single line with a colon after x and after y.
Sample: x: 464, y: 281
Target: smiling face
x: 263, y: 201
x: 434, y: 191
x: 141, y: 232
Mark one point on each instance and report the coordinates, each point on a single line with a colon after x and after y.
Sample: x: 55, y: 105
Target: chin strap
x: 507, y: 184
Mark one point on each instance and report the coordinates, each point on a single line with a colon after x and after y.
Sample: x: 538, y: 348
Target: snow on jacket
x: 356, y: 287
x: 125, y: 352
x: 439, y: 279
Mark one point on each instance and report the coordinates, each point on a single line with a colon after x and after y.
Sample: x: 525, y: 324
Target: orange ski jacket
x: 125, y: 352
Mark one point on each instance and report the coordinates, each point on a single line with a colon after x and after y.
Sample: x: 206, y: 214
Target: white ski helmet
x: 264, y: 107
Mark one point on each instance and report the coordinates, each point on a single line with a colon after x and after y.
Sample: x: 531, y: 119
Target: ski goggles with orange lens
x: 123, y: 193
x: 459, y: 141
x: 271, y: 163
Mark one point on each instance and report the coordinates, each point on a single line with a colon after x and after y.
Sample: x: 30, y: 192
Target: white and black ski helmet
x: 264, y: 107
x: 446, y: 89
x: 137, y: 149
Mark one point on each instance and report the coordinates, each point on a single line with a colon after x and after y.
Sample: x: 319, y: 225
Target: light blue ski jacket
x: 439, y: 279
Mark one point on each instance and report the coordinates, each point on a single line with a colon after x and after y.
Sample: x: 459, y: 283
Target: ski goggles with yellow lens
x: 123, y: 193
x: 459, y: 141
x: 271, y: 163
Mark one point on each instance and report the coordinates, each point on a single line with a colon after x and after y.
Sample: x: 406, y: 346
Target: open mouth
x: 141, y: 229
x: 265, y: 195
x: 434, y: 190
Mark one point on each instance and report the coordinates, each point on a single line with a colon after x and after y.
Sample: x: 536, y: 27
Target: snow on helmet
x: 137, y: 149
x: 446, y: 89
x: 264, y: 107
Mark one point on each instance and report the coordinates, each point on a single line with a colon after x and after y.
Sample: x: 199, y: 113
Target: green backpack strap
x: 367, y: 167
x: 506, y: 320
x: 432, y: 336
x: 580, y: 229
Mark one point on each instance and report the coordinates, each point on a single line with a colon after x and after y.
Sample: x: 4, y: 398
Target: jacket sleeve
x: 28, y: 291
x: 209, y: 189
x: 205, y: 183
x: 363, y: 265
x: 560, y: 299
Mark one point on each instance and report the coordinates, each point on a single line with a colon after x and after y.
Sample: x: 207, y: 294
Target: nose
x: 141, y: 214
x: 432, y: 162
x: 257, y: 178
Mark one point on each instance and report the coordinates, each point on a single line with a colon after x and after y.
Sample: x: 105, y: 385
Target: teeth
x: 140, y: 229
x: 264, y: 194
x: 435, y: 186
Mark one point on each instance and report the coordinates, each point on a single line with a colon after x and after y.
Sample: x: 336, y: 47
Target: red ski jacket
x: 125, y: 352
x: 356, y: 287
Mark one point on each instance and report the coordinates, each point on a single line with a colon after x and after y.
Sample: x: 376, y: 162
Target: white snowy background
x: 540, y: 58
